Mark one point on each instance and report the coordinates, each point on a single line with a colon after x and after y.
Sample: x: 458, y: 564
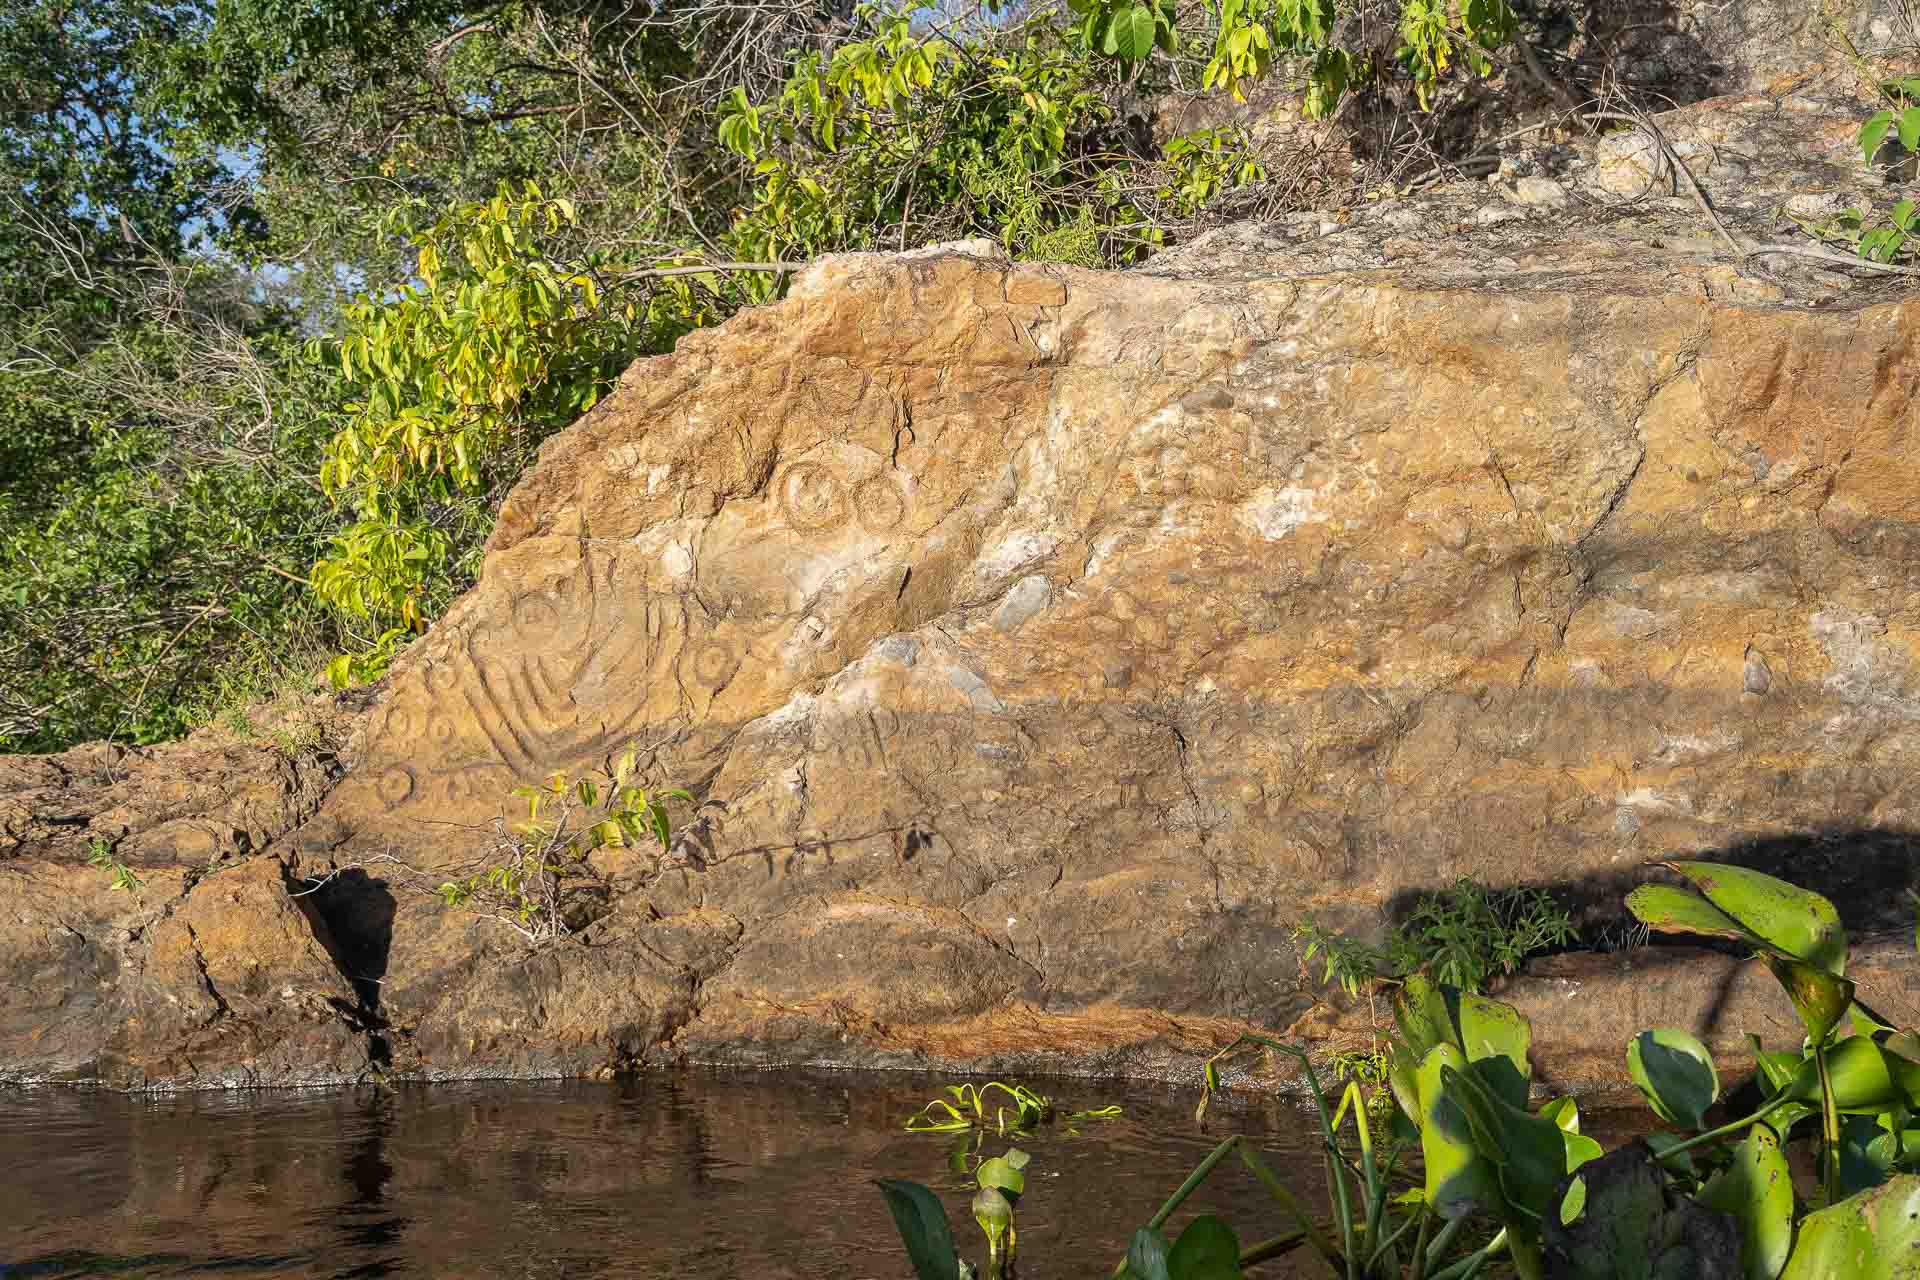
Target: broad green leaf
x: 1757, y: 1189
x: 998, y: 1173
x: 1819, y: 997
x: 1661, y: 1144
x: 1776, y: 1069
x: 1675, y: 1073
x: 1016, y: 1158
x: 1130, y: 35
x: 1565, y: 1112
x: 1421, y: 1014
x: 1867, y: 1152
x: 1147, y: 1255
x: 1574, y: 1202
x: 1902, y: 1053
x: 1670, y: 909
x: 923, y: 1228
x: 1492, y: 1035
x: 1206, y: 1250
x: 1403, y: 1072
x: 1871, y: 1236
x: 1858, y: 1070
x: 994, y: 1212
x: 1796, y: 921
x: 1580, y: 1149
x: 1530, y: 1150
x: 1497, y: 1038
x: 1909, y: 128
x: 1459, y: 1179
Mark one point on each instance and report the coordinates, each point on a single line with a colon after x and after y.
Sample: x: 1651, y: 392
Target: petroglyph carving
x: 473, y: 787
x: 812, y: 497
x: 816, y: 498
x: 571, y: 670
x: 878, y: 740
x: 837, y: 388
x: 394, y: 785
x: 880, y: 503
x: 1172, y: 472
x: 711, y: 661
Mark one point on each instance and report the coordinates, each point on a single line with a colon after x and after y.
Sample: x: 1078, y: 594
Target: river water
x: 691, y: 1175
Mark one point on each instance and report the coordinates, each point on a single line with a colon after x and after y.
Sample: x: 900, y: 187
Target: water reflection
x: 686, y: 1176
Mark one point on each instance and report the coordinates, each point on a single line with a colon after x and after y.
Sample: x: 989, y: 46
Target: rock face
x: 1041, y: 645
x: 1046, y: 643
x: 211, y: 971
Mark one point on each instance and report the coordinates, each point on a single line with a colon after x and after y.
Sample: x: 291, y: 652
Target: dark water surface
x: 688, y: 1175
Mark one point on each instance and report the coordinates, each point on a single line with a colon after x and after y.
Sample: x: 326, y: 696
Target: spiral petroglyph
x: 880, y: 503
x: 837, y: 390
x: 813, y: 497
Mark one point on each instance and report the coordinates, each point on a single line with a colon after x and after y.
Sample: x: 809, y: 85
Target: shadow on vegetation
x: 1636, y: 54
x: 1866, y: 872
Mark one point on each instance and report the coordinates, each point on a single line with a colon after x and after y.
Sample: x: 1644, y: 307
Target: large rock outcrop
x: 1042, y: 644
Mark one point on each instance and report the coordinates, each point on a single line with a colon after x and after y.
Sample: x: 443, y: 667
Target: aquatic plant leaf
x: 1000, y: 1174
x: 923, y: 1228
x: 1529, y: 1150
x: 1497, y: 1038
x: 1206, y: 1250
x: 1673, y: 910
x: 1662, y: 1143
x: 1776, y: 1068
x: 1796, y: 921
x: 1580, y: 1149
x: 1147, y: 1255
x: 926, y: 1121
x: 1563, y: 1111
x: 1016, y: 1158
x: 994, y: 1213
x: 1493, y: 1035
x: 1420, y: 1011
x: 1460, y: 1179
x: 1633, y: 1229
x: 1819, y: 997
x: 1866, y: 1153
x: 1871, y: 1236
x: 1857, y: 1069
x: 1574, y: 1202
x: 1674, y: 1071
x: 1904, y: 1045
x: 1897, y: 1050
x: 1757, y: 1190
x: 1403, y: 1078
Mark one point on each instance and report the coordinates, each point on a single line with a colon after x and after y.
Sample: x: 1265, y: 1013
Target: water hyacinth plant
x: 1022, y: 1110
x: 1499, y: 1182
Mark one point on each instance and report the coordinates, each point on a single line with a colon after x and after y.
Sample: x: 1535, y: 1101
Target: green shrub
x: 528, y: 884
x: 1462, y: 936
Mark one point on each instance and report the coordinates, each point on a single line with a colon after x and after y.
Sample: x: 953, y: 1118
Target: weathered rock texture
x: 212, y: 971
x: 1045, y: 643
x: 1042, y: 644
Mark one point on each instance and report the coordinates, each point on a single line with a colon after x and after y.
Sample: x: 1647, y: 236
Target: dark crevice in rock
x: 200, y: 961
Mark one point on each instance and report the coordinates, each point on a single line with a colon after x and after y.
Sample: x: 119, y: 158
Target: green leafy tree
x: 506, y: 334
